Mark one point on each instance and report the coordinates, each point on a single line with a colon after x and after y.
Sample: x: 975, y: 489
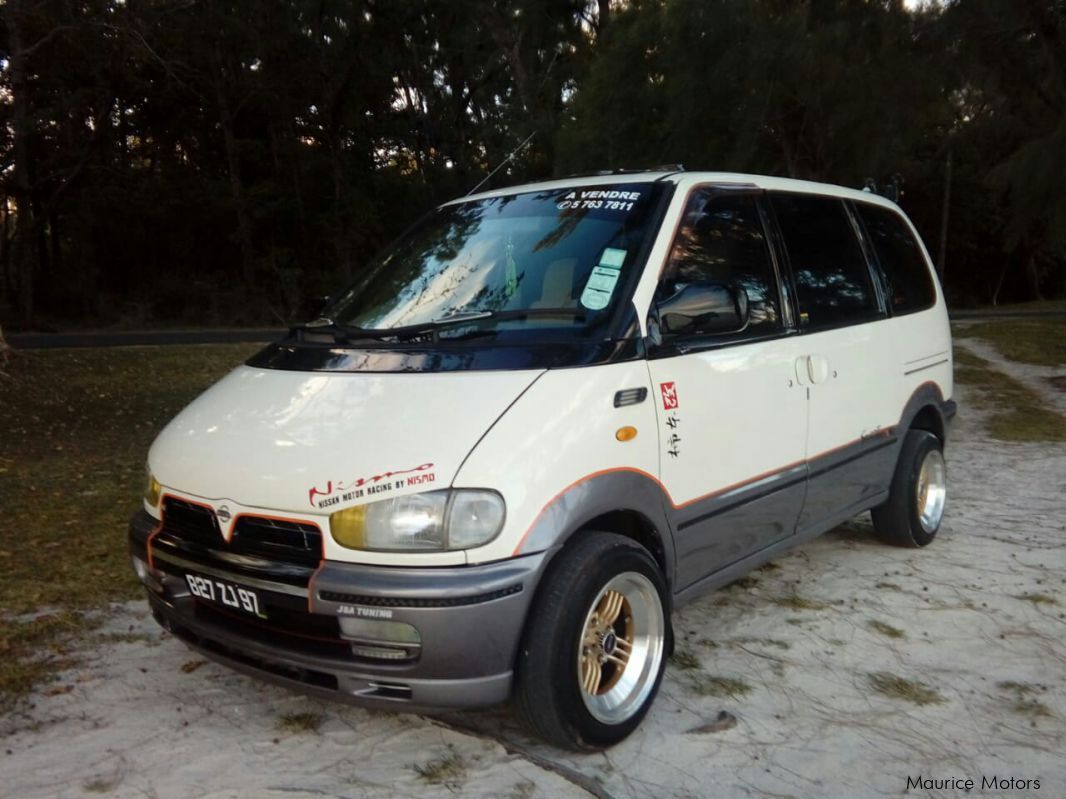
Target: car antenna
x: 503, y: 163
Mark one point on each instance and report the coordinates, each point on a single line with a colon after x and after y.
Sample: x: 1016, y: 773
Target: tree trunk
x: 233, y: 165
x: 604, y: 16
x: 1032, y: 275
x: 6, y: 283
x: 999, y: 283
x: 941, y: 260
x: 344, y: 250
x: 25, y: 262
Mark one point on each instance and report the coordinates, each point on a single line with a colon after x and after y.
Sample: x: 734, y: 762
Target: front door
x: 732, y: 416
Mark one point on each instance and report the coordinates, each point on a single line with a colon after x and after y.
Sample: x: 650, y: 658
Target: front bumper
x: 469, y: 620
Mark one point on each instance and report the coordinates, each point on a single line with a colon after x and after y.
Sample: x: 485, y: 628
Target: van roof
x: 687, y: 180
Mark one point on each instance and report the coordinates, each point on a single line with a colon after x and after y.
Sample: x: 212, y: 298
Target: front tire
x: 911, y: 515
x: 594, y: 651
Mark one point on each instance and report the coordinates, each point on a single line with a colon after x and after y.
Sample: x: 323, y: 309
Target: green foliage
x: 1042, y: 342
x: 843, y: 91
x: 229, y: 162
x: 1016, y: 412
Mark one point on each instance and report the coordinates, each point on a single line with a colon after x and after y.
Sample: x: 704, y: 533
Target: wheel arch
x: 627, y: 502
x: 633, y: 525
x: 926, y: 410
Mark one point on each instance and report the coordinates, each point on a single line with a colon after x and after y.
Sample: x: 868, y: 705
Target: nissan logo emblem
x: 223, y: 514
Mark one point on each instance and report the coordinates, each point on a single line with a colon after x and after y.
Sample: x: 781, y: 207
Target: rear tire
x: 594, y: 650
x: 911, y: 515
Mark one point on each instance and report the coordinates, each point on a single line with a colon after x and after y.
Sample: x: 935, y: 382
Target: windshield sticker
x: 600, y: 287
x: 598, y: 199
x: 340, y: 491
x: 613, y: 257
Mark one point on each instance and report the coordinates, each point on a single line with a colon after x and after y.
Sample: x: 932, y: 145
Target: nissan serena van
x: 544, y: 418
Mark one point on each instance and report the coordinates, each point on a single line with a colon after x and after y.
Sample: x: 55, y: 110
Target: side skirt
x: 738, y: 569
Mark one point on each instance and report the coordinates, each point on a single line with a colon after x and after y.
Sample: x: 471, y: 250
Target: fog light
x: 147, y: 575
x: 140, y: 568
x: 379, y: 652
x: 378, y: 631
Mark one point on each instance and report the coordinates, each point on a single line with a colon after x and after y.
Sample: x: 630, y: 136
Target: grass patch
x: 900, y: 688
x: 774, y: 642
x: 715, y: 685
x: 1031, y: 707
x: 1037, y: 341
x: 684, y: 660
x: 300, y: 722
x: 1017, y: 413
x: 32, y: 651
x: 100, y: 785
x: 1020, y: 688
x: 448, y: 770
x: 885, y: 629
x: 888, y: 587
x: 74, y: 434
x: 1037, y: 599
x: 745, y: 582
x: 1023, y: 704
x: 798, y: 603
x: 125, y: 638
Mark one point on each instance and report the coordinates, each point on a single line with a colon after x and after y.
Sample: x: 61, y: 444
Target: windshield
x: 557, y: 258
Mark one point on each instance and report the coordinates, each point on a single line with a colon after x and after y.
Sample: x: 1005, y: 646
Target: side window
x: 910, y: 287
x: 832, y: 279
x: 721, y: 241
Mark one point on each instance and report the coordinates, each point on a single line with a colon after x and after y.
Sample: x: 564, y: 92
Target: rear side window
x: 833, y: 285
x: 721, y: 240
x: 910, y: 287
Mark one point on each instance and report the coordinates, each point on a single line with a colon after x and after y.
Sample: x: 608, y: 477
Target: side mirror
x: 708, y: 309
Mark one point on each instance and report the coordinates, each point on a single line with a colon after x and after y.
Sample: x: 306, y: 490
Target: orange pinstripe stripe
x: 709, y: 495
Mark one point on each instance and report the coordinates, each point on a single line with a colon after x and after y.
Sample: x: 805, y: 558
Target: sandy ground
x: 979, y: 618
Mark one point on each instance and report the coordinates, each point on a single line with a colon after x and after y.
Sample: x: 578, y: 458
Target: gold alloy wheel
x: 621, y: 648
x: 931, y: 490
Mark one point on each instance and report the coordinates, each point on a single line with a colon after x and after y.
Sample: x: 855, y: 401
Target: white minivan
x: 545, y: 417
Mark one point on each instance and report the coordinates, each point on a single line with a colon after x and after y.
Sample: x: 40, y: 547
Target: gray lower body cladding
x: 469, y: 623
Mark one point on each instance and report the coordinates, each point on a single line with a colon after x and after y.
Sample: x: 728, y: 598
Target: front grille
x: 195, y: 524
x: 275, y: 539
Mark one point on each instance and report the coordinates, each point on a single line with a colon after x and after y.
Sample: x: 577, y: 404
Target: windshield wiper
x: 474, y: 317
x: 341, y: 332
x: 345, y: 333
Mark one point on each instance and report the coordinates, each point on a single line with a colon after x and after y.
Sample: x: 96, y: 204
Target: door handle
x: 803, y: 371
x: 817, y: 368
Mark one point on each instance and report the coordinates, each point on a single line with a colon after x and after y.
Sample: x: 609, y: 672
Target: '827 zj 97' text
x: 230, y: 595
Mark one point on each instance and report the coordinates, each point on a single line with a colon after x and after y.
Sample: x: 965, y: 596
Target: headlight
x: 433, y: 521
x: 152, y: 491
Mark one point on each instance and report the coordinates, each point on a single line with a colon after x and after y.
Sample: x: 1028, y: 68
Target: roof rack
x: 605, y: 172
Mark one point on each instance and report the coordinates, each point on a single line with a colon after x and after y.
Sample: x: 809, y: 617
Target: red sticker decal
x: 669, y: 391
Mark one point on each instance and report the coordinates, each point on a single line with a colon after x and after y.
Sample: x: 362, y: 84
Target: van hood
x: 312, y: 443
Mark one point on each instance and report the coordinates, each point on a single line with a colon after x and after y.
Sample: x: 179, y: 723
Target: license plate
x: 225, y: 593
